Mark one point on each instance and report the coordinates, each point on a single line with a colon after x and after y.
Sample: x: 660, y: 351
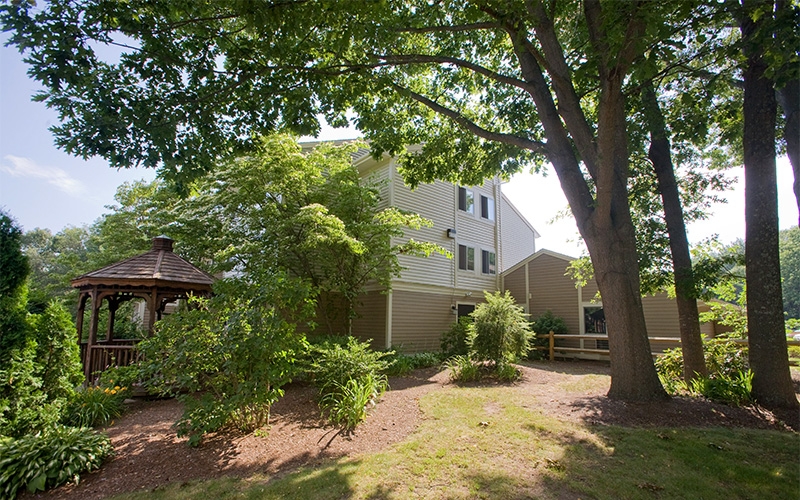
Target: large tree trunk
x: 685, y: 292
x: 604, y: 220
x: 772, y: 383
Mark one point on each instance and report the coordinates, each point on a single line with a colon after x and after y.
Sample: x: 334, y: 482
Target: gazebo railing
x: 118, y: 352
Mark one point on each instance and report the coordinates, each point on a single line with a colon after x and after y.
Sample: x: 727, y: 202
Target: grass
x: 481, y: 442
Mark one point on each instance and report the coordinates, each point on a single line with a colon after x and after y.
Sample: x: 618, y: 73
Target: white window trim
x: 468, y: 247
x: 492, y: 211
x: 468, y: 193
x: 491, y: 251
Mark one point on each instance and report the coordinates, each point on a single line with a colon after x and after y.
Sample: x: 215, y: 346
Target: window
x: 466, y: 200
x: 466, y: 258
x: 487, y: 207
x: 488, y: 262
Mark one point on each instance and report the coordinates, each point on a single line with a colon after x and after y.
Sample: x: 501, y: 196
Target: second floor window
x: 487, y: 207
x: 466, y: 200
x: 488, y: 260
x: 466, y: 258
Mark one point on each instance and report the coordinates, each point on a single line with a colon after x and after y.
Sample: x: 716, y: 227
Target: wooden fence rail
x: 552, y: 348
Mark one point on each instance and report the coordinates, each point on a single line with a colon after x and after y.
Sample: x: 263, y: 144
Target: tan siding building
x: 539, y: 283
x: 432, y: 291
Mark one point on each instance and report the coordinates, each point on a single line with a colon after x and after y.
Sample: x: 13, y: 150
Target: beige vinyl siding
x: 550, y: 289
x: 377, y: 174
x: 371, y: 320
x: 419, y: 319
x: 514, y: 282
x: 516, y: 237
x: 435, y: 202
x: 661, y: 316
x: 476, y: 232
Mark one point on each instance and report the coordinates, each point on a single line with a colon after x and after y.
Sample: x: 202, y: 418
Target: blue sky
x: 42, y: 186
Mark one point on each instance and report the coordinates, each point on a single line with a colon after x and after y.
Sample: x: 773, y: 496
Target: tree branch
x: 569, y: 107
x: 452, y: 29
x: 471, y: 126
x: 423, y: 58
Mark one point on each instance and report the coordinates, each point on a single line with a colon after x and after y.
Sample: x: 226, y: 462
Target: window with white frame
x: 466, y: 258
x: 487, y: 207
x: 466, y: 200
x: 488, y: 262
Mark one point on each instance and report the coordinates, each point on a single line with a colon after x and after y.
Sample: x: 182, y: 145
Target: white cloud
x: 25, y: 167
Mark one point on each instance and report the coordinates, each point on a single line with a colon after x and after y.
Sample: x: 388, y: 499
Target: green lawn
x: 483, y: 443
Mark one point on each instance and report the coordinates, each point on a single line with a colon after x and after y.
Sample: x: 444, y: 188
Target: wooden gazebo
x: 158, y: 276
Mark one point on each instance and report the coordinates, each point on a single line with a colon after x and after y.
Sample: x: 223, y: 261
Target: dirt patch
x: 149, y: 455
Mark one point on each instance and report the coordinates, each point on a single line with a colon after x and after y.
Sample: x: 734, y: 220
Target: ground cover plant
x: 729, y: 378
x: 503, y: 441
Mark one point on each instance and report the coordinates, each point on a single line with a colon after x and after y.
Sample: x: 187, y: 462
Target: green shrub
x: 349, y: 376
x: 122, y: 376
x: 728, y: 377
x: 455, y: 341
x: 236, y: 349
x: 24, y: 406
x: 500, y: 333
x: 347, y: 403
x: 48, y: 459
x: 463, y: 369
x: 95, y: 406
x: 334, y: 364
x: 57, y: 353
x: 402, y: 364
x: 507, y: 372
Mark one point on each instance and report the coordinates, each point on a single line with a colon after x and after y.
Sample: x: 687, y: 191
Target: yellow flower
x: 113, y: 391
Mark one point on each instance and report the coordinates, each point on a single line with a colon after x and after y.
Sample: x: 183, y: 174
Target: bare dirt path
x: 149, y: 455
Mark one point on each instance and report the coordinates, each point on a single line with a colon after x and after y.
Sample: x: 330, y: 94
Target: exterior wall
x: 517, y: 237
x: 419, y: 319
x: 550, y: 289
x: 515, y: 283
x: 435, y: 202
x: 371, y: 320
x: 479, y: 233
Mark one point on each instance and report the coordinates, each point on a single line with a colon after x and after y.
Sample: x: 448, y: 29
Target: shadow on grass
x: 626, y: 462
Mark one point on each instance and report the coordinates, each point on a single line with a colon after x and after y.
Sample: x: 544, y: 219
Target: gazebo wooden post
x: 79, y: 320
x: 153, y: 305
x: 113, y: 304
x: 96, y: 302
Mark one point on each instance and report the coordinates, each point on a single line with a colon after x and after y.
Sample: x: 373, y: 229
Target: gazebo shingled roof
x: 158, y: 276
x: 159, y: 265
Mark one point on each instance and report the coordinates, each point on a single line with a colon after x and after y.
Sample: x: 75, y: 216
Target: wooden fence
x: 552, y: 348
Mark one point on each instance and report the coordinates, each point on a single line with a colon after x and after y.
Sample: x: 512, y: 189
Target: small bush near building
x: 49, y: 458
x: 402, y: 364
x: 455, y: 341
x: 350, y: 377
x: 500, y: 333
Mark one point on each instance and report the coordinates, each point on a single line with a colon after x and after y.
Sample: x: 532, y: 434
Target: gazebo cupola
x: 158, y: 276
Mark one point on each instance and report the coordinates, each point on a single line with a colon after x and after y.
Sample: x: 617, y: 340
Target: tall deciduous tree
x: 772, y: 383
x: 485, y: 86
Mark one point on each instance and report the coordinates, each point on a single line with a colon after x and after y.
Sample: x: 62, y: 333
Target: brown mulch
x: 149, y: 455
